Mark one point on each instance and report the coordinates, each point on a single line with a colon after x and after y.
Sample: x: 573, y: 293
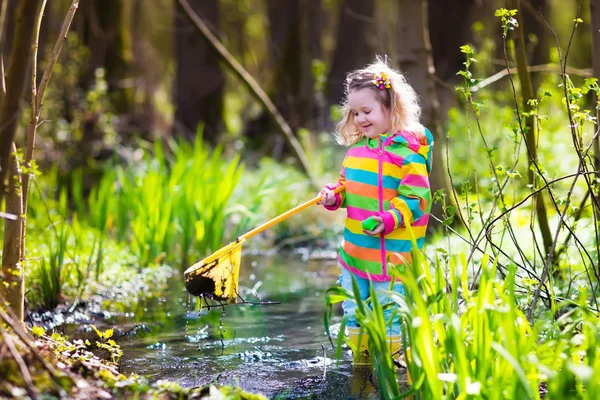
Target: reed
x: 52, y: 271
x: 474, y: 341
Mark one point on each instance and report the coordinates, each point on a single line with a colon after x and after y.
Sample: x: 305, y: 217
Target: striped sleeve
x: 340, y: 198
x: 414, y: 196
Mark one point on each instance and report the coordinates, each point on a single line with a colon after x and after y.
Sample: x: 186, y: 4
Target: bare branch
x: 56, y: 52
x: 251, y: 84
x: 30, y: 387
x: 37, y: 95
x: 2, y: 76
x: 533, y: 68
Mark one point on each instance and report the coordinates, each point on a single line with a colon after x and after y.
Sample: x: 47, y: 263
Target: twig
x: 357, y: 16
x: 38, y: 95
x: 2, y: 27
x: 2, y: 20
x: 500, y: 196
x: 582, y: 165
x: 516, y: 205
x: 533, y: 68
x: 324, y: 360
x: 56, y: 52
x: 2, y: 74
x: 443, y: 83
x: 11, y: 319
x: 578, y: 215
x: 29, y: 386
x: 469, y: 242
x: 252, y: 85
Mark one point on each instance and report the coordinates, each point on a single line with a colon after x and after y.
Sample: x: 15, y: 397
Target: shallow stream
x: 279, y: 350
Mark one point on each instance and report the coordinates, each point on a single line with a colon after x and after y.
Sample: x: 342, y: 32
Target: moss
x: 77, y: 373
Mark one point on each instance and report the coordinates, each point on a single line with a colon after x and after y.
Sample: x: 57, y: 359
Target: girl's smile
x: 368, y: 114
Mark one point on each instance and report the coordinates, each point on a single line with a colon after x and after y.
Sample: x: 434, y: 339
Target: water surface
x: 279, y: 350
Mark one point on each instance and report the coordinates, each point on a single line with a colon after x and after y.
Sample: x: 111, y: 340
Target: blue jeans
x: 349, y: 306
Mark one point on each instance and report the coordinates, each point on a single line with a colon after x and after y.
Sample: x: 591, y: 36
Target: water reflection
x: 278, y: 350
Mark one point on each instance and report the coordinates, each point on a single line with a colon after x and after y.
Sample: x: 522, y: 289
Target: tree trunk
x: 538, y: 45
x: 311, y: 26
x: 12, y: 269
x: 102, y: 28
x: 414, y: 56
x: 3, y: 13
x: 8, y: 29
x: 595, y: 25
x: 146, y: 71
x: 16, y: 79
x: 355, y: 45
x: 529, y: 125
x: 595, y: 17
x: 450, y: 26
x: 199, y: 80
x: 294, y: 42
x: 109, y: 42
x: 254, y: 88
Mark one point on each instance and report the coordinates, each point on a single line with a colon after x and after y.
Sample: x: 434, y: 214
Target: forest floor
x: 35, y: 365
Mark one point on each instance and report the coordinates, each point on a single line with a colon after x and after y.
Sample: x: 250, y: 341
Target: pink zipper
x: 380, y: 187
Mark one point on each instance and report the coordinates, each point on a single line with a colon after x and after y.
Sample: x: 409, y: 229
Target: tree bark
x: 8, y: 35
x: 146, y: 71
x: 311, y: 31
x: 254, y: 88
x: 595, y: 24
x: 16, y: 202
x: 3, y: 12
x: 450, y: 26
x: 291, y: 53
x: 530, y: 125
x: 294, y: 42
x: 199, y: 80
x: 355, y: 45
x: 109, y: 41
x: 37, y: 100
x: 12, y: 282
x: 16, y: 79
x: 103, y: 30
x: 414, y: 56
x: 538, y: 45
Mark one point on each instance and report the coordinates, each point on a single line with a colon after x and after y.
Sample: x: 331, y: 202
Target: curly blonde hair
x: 401, y: 100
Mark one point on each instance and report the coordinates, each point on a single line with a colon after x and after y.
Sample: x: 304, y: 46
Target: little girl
x: 386, y: 173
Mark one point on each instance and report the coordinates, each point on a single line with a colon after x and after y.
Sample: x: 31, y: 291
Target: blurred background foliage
x: 149, y: 143
x: 153, y: 154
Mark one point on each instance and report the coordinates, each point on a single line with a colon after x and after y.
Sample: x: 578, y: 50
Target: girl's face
x: 370, y: 116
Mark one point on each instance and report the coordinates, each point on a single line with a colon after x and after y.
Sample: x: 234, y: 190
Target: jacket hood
x: 423, y: 147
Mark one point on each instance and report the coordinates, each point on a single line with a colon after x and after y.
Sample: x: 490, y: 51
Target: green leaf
x: 100, y: 334
x: 38, y: 331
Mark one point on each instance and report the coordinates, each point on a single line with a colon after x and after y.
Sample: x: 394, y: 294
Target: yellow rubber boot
x: 360, y: 343
x: 408, y: 357
x: 395, y: 347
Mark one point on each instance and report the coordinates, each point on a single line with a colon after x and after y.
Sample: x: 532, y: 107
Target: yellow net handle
x: 286, y: 214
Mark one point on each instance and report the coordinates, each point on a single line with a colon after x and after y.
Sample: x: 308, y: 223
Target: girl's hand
x: 327, y: 197
x: 378, y: 229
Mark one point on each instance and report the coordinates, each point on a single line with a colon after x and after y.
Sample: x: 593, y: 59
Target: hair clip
x: 381, y: 81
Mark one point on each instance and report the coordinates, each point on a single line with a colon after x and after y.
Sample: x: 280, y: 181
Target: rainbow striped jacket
x: 389, y: 177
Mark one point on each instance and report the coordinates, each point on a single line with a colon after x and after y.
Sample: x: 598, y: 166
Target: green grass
x: 52, y: 270
x: 471, y: 338
x: 176, y: 204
